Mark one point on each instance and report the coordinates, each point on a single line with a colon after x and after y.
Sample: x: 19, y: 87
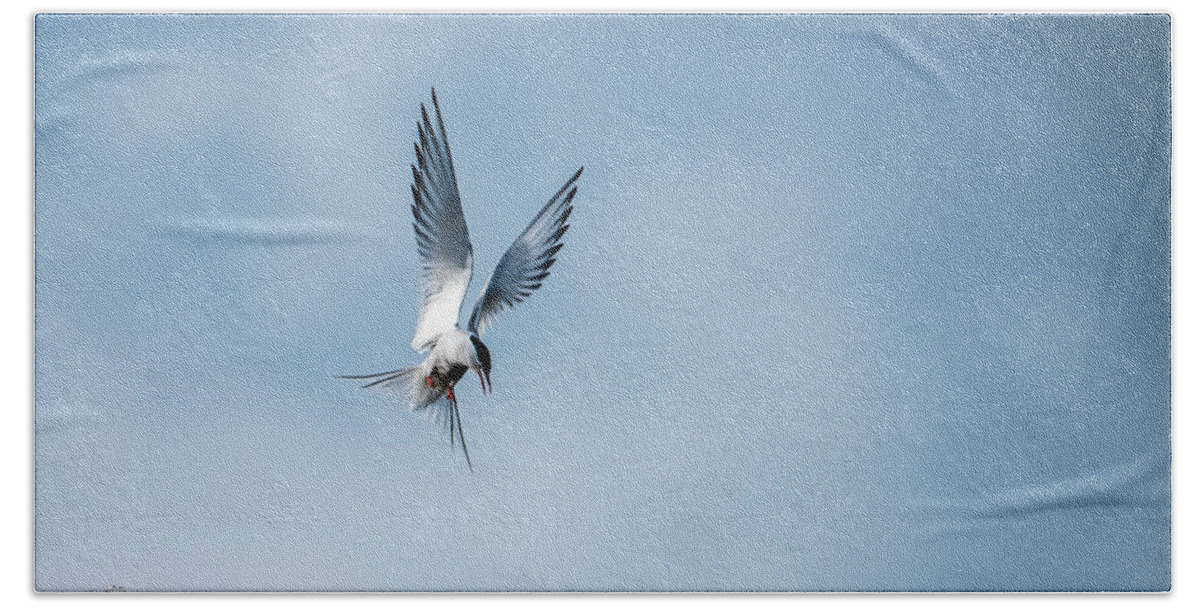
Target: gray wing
x: 442, y: 239
x: 527, y: 262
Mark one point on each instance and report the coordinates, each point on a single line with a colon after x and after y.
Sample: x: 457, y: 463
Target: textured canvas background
x: 849, y: 302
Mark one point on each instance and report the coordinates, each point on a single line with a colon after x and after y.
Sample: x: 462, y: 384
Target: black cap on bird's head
x: 485, y: 363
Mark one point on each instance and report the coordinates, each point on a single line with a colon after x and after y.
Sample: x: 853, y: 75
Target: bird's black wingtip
x: 572, y: 179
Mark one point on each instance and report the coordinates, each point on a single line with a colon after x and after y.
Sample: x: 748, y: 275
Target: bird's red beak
x: 486, y: 388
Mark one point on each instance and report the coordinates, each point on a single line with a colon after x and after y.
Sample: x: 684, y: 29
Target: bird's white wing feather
x: 527, y: 262
x: 442, y: 239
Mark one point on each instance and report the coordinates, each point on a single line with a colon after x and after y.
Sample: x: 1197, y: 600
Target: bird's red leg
x: 429, y: 381
x: 450, y: 393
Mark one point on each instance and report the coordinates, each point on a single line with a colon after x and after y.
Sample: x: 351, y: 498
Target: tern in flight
x: 445, y: 250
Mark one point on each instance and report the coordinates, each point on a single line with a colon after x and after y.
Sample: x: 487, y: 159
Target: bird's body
x: 453, y: 354
x: 446, y: 264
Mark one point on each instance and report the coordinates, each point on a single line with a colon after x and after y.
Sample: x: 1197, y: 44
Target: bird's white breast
x: 453, y: 348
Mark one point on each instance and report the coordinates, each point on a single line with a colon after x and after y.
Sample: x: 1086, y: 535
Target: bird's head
x: 482, y: 363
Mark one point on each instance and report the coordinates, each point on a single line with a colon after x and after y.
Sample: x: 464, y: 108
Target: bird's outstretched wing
x: 527, y: 262
x: 442, y: 239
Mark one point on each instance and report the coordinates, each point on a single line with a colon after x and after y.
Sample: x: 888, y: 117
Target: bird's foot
x: 450, y: 393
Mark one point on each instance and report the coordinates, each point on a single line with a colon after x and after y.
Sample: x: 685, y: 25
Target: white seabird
x: 446, y: 259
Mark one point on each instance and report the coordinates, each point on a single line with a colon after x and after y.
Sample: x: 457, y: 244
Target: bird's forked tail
x: 422, y: 394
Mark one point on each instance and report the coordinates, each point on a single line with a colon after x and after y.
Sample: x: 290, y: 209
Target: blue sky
x: 849, y: 302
